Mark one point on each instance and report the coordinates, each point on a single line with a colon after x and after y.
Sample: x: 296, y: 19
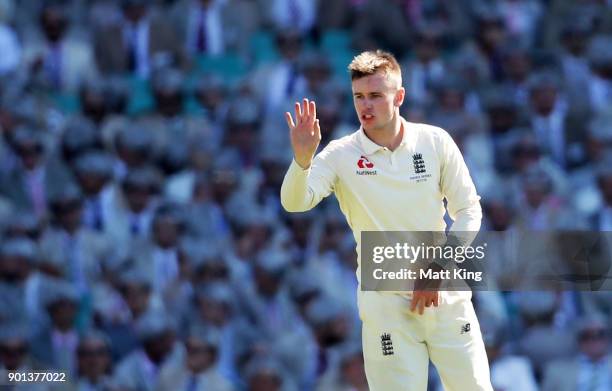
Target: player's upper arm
x: 457, y: 186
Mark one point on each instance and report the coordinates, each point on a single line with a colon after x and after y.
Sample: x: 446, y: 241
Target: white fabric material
x: 439, y: 334
x: 390, y: 196
x: 139, y: 35
x: 380, y: 190
x: 214, y: 27
x: 10, y: 49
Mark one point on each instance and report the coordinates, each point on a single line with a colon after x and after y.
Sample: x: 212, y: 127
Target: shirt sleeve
x: 463, y: 203
x: 303, y: 189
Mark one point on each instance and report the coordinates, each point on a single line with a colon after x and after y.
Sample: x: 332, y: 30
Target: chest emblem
x: 365, y: 167
x: 419, y: 168
x: 419, y: 163
x: 363, y: 162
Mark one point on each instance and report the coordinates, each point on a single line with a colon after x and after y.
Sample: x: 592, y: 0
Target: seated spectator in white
x: 542, y: 341
x: 350, y: 374
x: 15, y: 354
x: 295, y: 14
x: 23, y: 225
x: 522, y: 18
x: 280, y: 82
x: 99, y: 98
x: 37, y: 172
x: 426, y: 69
x: 140, y: 44
x: 548, y: 112
x: 587, y: 198
x: 160, y: 255
x: 502, y: 116
x: 20, y: 281
x: 70, y: 249
x: 490, y: 33
x: 591, y: 368
x: 541, y: 205
x: 94, y: 365
x: 600, y: 83
x: 516, y: 67
x: 56, y: 344
x: 213, y: 97
x: 10, y: 47
x: 133, y: 206
x: 94, y: 172
x: 388, y: 27
x: 601, y: 220
x: 206, y: 218
x: 52, y: 57
x: 203, y: 26
x: 330, y: 325
x: 450, y: 111
x: 318, y: 72
x: 197, y: 370
x: 574, y: 63
x: 134, y: 148
x: 524, y: 156
x: 267, y: 374
x: 509, y: 372
x: 78, y: 137
x: 268, y: 302
x: 141, y: 369
x: 121, y: 306
x: 168, y: 123
x: 215, y: 307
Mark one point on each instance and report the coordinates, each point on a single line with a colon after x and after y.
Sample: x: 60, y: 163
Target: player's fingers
x: 437, y: 300
x: 313, y: 110
x: 415, y: 300
x: 289, y: 120
x: 298, y: 112
x: 421, y: 306
x: 306, y: 108
x: 317, y: 129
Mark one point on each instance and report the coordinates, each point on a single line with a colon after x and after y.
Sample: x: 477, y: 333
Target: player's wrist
x: 426, y: 283
x: 303, y: 163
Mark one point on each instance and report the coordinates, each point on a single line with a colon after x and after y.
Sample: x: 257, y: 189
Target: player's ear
x: 399, y: 97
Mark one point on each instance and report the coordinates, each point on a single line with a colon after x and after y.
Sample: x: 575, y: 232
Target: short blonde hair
x: 371, y: 62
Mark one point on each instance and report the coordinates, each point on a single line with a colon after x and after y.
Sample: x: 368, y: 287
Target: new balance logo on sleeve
x: 387, y: 344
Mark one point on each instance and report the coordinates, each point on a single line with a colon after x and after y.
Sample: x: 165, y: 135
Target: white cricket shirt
x: 383, y: 190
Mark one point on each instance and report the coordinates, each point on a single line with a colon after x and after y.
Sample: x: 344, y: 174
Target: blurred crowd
x: 143, y: 144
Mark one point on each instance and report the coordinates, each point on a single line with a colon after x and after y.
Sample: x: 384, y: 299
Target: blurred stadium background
x: 143, y: 246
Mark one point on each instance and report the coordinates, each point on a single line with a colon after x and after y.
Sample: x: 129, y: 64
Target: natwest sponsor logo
x: 363, y: 162
x: 365, y: 166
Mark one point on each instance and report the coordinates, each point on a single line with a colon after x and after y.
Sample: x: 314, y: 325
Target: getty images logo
x: 365, y: 166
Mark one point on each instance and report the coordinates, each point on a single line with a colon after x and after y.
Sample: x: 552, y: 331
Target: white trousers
x: 398, y: 344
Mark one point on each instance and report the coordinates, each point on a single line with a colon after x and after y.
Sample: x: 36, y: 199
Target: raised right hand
x: 305, y: 133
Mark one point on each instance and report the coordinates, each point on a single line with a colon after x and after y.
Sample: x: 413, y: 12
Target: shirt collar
x: 370, y: 147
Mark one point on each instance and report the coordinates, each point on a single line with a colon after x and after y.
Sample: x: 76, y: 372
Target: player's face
x: 377, y: 98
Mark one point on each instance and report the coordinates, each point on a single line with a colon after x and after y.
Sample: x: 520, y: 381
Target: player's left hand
x: 422, y: 299
x: 425, y: 293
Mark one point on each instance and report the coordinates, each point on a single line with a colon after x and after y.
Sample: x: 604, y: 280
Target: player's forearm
x: 296, y: 196
x: 468, y: 218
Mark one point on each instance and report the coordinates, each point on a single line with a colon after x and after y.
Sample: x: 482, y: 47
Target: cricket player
x: 372, y: 173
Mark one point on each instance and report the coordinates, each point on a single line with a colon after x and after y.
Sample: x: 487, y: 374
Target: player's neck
x: 390, y: 136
